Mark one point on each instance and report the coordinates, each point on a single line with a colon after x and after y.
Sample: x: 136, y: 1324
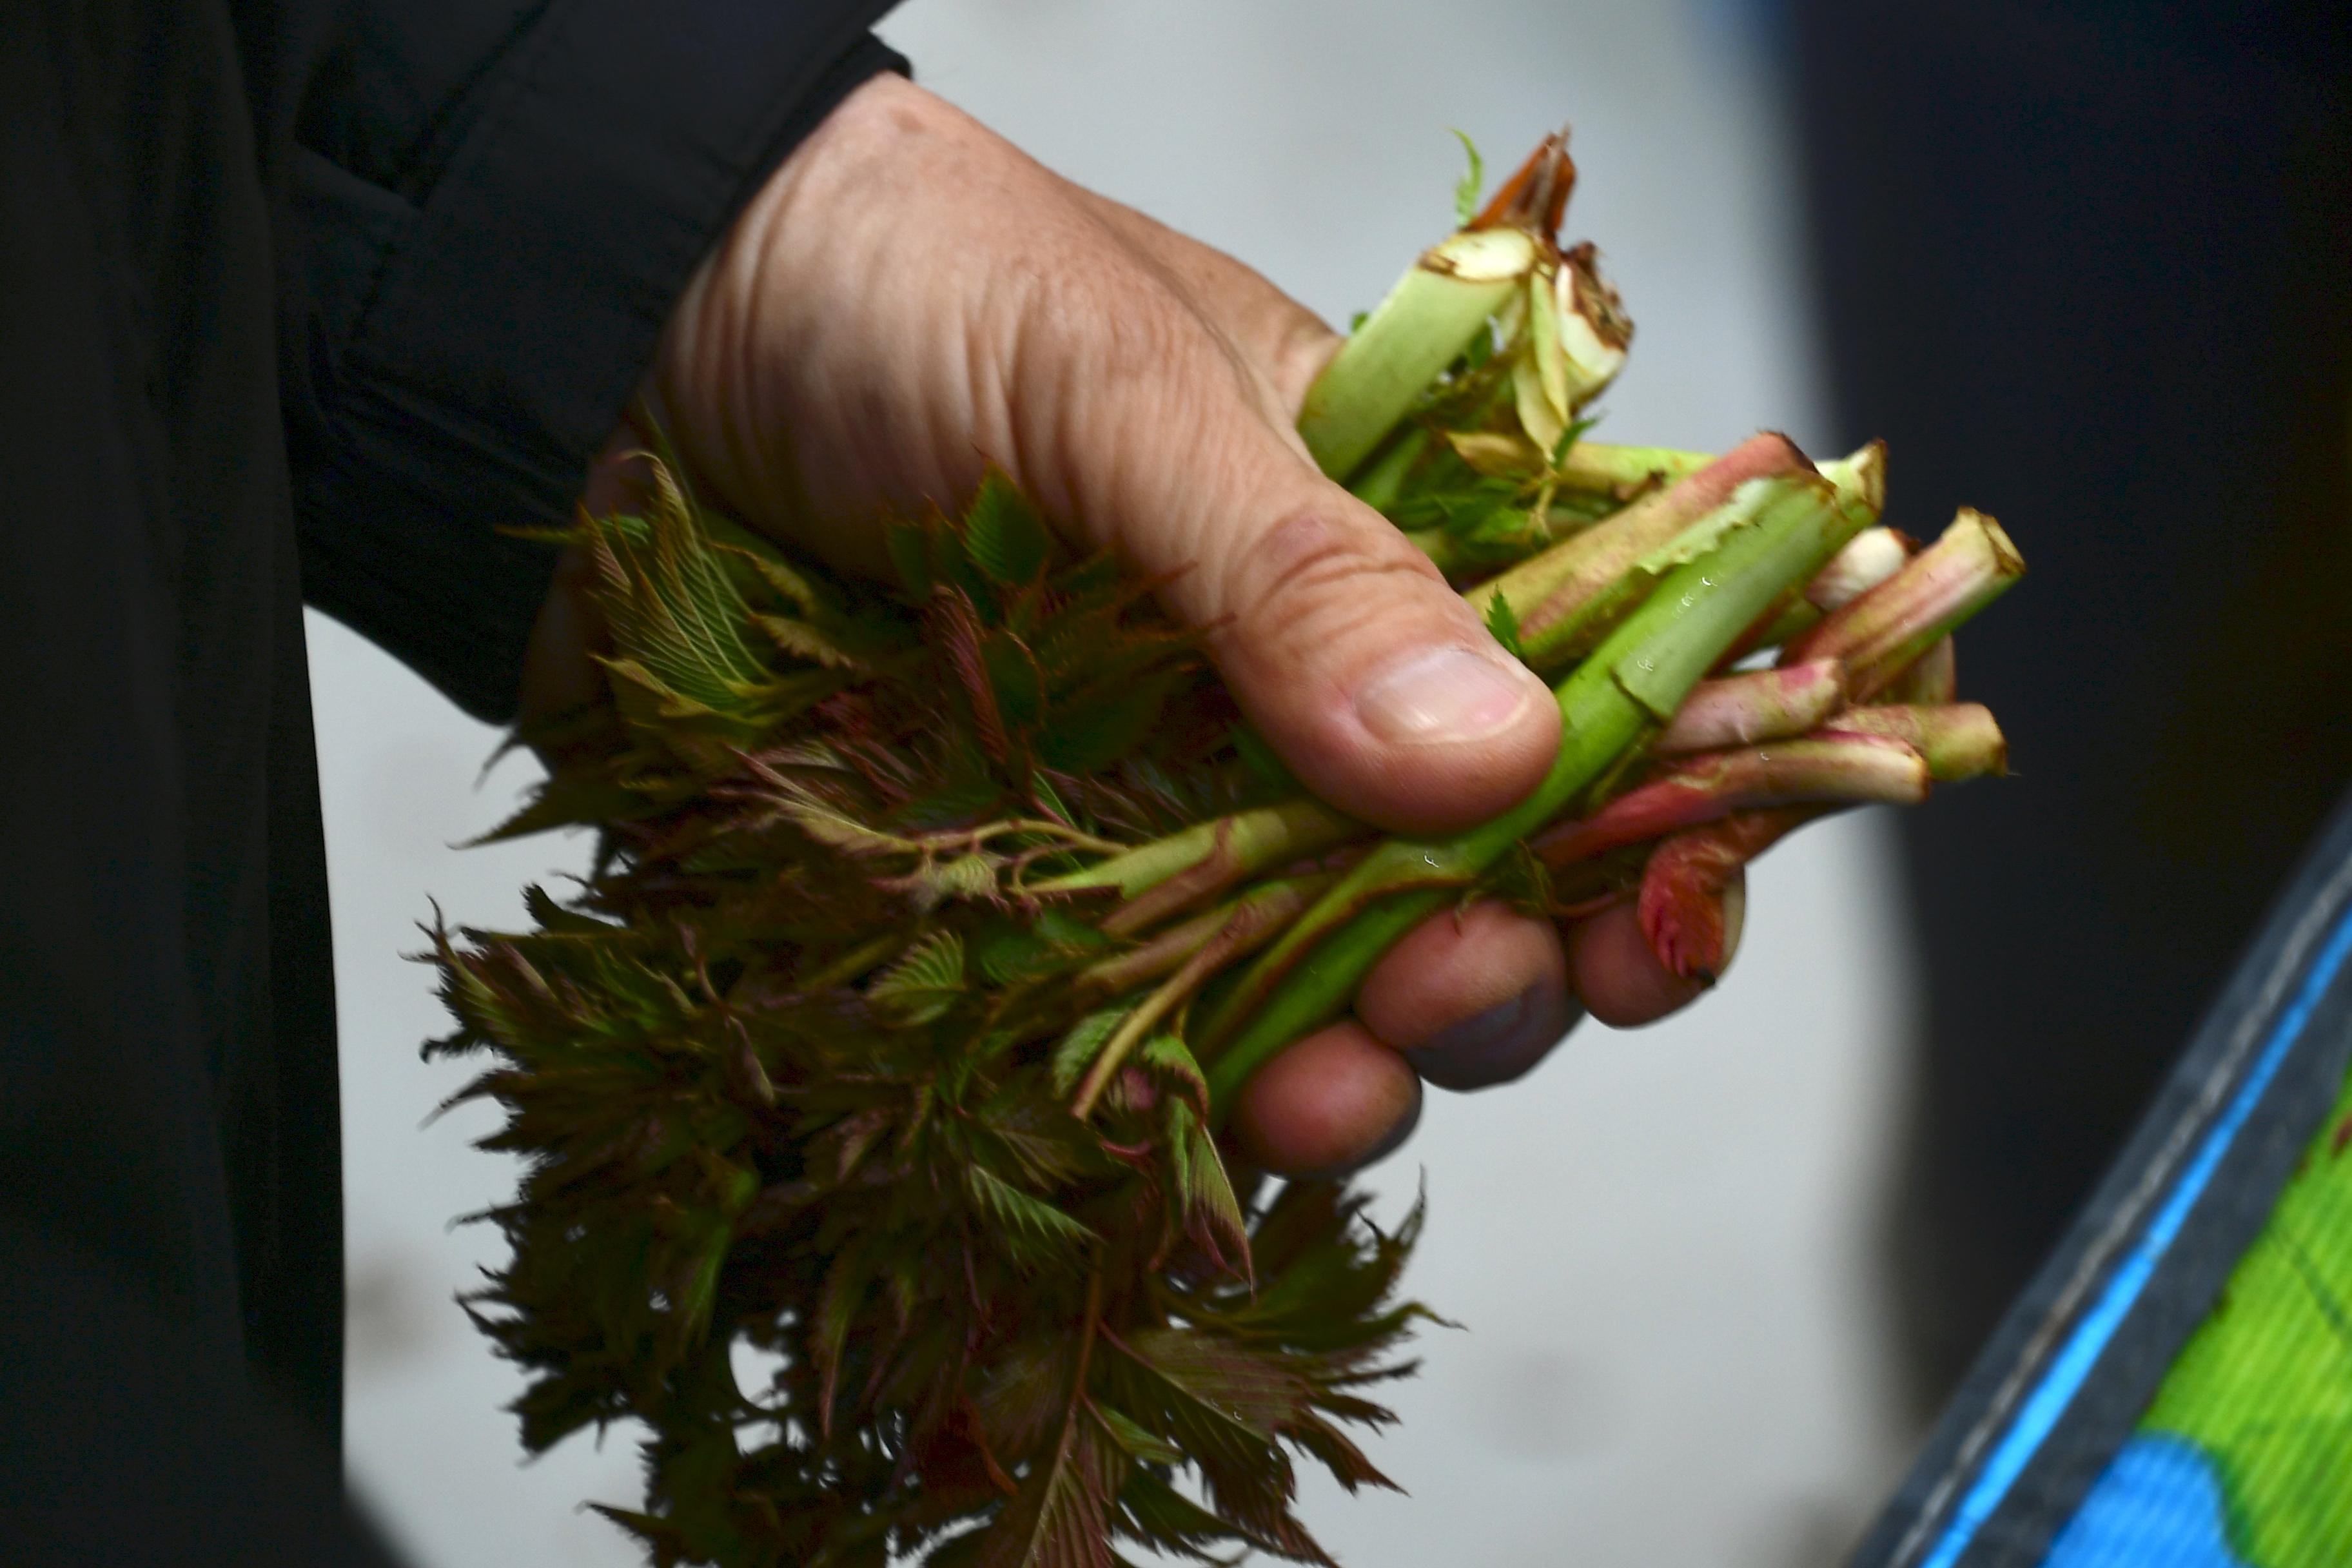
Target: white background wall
x: 1658, y: 1245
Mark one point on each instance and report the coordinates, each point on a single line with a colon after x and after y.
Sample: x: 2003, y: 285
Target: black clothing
x: 379, y: 278
x: 2089, y: 265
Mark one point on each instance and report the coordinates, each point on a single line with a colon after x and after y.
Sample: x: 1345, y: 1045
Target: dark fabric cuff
x: 513, y: 306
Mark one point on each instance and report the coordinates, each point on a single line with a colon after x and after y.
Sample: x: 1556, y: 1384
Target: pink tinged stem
x: 1548, y: 593
x: 1694, y: 890
x: 1269, y: 907
x: 1933, y: 678
x: 1756, y: 705
x: 1868, y: 559
x: 1881, y: 632
x: 1242, y: 930
x: 1208, y: 858
x: 1958, y: 739
x: 1854, y: 769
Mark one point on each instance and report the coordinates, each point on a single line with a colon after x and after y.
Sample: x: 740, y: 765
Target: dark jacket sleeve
x: 494, y: 207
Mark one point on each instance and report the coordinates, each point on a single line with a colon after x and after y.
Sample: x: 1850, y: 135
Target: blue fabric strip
x: 2074, y: 1361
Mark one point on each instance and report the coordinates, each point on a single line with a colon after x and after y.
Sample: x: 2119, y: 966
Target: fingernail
x: 1442, y: 697
x: 1503, y: 1043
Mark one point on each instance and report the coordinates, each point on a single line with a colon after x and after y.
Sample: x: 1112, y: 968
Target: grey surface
x: 1657, y: 1245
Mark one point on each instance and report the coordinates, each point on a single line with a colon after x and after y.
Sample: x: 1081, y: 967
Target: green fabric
x: 2264, y: 1388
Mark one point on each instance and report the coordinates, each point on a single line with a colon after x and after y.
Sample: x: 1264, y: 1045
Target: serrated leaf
x: 888, y: 1192
x: 1013, y: 675
x: 1051, y: 1147
x: 769, y: 566
x: 801, y: 640
x: 1165, y: 1057
x: 681, y: 624
x: 1027, y: 1391
x: 924, y: 983
x: 1139, y: 1444
x: 1157, y: 1380
x: 1080, y: 1047
x: 972, y: 876
x: 837, y: 829
x: 1348, y: 1463
x: 1061, y: 1516
x: 1003, y: 534
x: 1241, y: 1384
x: 1473, y: 183
x: 1052, y: 940
x: 836, y: 1315
x: 1155, y: 1513
x: 1008, y: 954
x: 553, y: 916
x: 1502, y: 622
x: 1087, y: 737
x: 1051, y: 1234
x: 1207, y: 1208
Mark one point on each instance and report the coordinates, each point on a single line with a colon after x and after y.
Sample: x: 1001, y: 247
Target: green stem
x: 1882, y: 632
x: 1754, y: 705
x: 1380, y: 484
x: 1242, y: 928
x: 1933, y: 678
x: 1959, y: 740
x: 1566, y: 599
x: 1437, y: 310
x: 1274, y: 902
x: 1861, y: 477
x: 1609, y: 704
x: 1218, y: 854
x: 1598, y: 466
x: 1828, y: 767
x: 1791, y: 618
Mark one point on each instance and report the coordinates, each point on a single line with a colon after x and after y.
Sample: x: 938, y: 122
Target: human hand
x: 909, y: 298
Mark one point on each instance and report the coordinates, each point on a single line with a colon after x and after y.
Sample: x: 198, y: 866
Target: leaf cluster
x: 792, y: 1076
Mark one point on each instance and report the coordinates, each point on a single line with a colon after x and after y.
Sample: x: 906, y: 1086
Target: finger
x: 1617, y: 976
x: 1021, y: 327
x: 1282, y: 338
x: 559, y: 674
x: 1472, y: 999
x: 1375, y: 683
x: 1336, y: 1100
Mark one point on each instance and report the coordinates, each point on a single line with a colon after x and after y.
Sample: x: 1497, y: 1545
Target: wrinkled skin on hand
x: 909, y: 298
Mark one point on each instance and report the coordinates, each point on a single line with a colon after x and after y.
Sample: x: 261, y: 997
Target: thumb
x: 1345, y: 649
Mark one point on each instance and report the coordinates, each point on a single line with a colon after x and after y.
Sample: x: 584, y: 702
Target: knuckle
x: 1311, y: 574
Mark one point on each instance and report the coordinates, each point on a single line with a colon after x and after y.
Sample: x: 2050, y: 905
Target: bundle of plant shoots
x: 870, y: 1086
